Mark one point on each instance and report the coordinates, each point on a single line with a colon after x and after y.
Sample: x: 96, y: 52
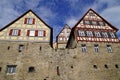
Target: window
x: 100, y: 23
x: 0, y: 69
x: 11, y: 68
x: 21, y: 48
x: 97, y: 34
x: 81, y: 33
x: 87, y: 22
x: 105, y: 35
x: 39, y: 33
x: 106, y: 66
x: 116, y: 66
x: 29, y: 21
x: 109, y: 49
x: 31, y: 69
x: 83, y: 48
x: 14, y: 32
x: 96, y: 48
x: 95, y: 66
x: 112, y: 35
x: 89, y: 33
x: 94, y: 23
x: 60, y: 38
x: 32, y: 33
x: 91, y: 14
x: 8, y: 47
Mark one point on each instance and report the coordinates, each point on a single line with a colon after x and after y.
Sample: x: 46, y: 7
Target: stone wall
x: 59, y: 64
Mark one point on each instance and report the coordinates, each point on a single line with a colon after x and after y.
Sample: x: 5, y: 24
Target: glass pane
x: 40, y: 33
x: 32, y: 33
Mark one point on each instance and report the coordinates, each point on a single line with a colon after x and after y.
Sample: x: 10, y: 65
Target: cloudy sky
x: 57, y: 13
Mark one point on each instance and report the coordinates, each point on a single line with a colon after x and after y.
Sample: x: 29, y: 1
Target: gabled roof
x: 21, y: 17
x: 97, y: 15
x: 66, y: 26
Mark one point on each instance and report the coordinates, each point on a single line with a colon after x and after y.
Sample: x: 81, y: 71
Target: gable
x: 93, y: 20
x: 26, y: 22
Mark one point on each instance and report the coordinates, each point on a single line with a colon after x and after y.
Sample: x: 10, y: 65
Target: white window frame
x: 40, y: 33
x: 96, y: 48
x: 105, y: 35
x: 11, y: 69
x: 112, y: 35
x: 97, y: 34
x: 32, y: 33
x: 15, y: 32
x: 60, y: 38
x: 84, y: 48
x: 89, y: 33
x: 94, y: 23
x: 109, y: 49
x: 87, y: 22
x: 81, y: 33
x: 29, y: 20
x: 101, y: 23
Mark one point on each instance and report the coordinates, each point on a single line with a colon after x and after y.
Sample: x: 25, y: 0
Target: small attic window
x: 101, y: 23
x: 91, y: 14
x: 29, y: 21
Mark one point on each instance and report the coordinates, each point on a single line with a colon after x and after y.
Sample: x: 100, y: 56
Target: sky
x: 57, y: 13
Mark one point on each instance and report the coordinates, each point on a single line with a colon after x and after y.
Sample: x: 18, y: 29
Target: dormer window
x: 29, y: 21
x: 14, y: 32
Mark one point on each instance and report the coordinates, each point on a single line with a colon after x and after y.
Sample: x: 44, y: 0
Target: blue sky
x: 57, y: 13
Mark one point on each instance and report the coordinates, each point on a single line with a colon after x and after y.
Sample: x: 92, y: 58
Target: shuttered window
x: 39, y: 33
x: 29, y: 21
x: 14, y: 32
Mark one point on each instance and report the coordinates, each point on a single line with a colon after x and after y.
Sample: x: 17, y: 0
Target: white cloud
x: 71, y: 21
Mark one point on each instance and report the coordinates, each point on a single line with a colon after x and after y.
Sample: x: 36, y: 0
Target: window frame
x: 11, y: 69
x: 89, y: 33
x: 81, y: 33
x: 97, y: 34
x: 112, y: 35
x: 109, y: 48
x: 83, y: 47
x: 96, y: 48
x: 29, y: 21
x: 105, y: 34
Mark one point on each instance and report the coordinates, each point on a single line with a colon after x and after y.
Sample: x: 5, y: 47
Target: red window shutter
x: 44, y: 33
x: 11, y: 32
x: 36, y: 32
x: 33, y: 22
x: 25, y: 21
x: 19, y: 32
x: 28, y: 32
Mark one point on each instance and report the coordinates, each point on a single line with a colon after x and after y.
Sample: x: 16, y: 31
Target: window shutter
x: 33, y: 22
x: 44, y: 33
x: 11, y: 32
x: 19, y: 32
x: 25, y: 21
x: 36, y: 32
x: 28, y: 32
